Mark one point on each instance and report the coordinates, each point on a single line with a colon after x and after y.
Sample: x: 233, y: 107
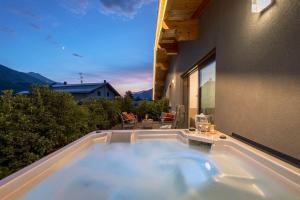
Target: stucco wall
x: 257, y: 73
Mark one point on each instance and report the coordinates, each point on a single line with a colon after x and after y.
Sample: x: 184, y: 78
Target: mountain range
x: 145, y: 94
x: 19, y: 81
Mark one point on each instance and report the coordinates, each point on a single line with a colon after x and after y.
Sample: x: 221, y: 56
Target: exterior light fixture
x: 173, y: 81
x: 259, y: 5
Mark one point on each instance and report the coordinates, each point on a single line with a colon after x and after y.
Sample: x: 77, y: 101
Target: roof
x: 177, y: 21
x: 84, y: 88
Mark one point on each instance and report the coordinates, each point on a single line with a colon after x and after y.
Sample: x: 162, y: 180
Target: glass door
x: 186, y: 100
x: 207, y: 90
x: 193, y: 98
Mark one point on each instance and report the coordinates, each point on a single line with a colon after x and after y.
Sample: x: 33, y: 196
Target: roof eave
x: 177, y: 20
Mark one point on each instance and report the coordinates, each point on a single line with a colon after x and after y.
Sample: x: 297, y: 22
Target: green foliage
x: 152, y: 108
x: 126, y: 104
x: 103, y: 114
x: 128, y: 94
x: 35, y: 125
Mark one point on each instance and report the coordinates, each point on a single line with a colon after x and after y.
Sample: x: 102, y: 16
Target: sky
x: 103, y: 39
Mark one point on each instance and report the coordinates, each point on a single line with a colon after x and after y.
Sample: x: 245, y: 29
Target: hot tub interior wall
x: 257, y: 72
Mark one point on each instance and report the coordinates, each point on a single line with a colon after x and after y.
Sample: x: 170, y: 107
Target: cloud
x: 127, y: 8
x: 59, y: 45
x: 77, y: 7
x: 134, y: 78
x: 8, y: 30
x: 25, y: 13
x: 34, y: 26
x: 51, y: 40
x: 77, y: 55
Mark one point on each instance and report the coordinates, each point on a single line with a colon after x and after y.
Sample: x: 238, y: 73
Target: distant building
x: 87, y: 91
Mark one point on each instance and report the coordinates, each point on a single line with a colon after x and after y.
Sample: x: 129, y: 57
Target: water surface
x: 157, y: 170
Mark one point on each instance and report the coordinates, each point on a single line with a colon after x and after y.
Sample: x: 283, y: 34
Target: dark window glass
x: 108, y: 94
x: 99, y: 93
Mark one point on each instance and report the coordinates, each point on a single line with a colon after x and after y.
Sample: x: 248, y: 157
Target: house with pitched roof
x: 87, y: 91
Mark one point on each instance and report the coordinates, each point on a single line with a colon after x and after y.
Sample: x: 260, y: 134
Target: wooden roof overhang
x: 177, y: 21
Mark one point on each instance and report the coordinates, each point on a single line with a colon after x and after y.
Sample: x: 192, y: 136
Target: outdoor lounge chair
x: 129, y: 120
x: 178, y: 121
x: 167, y: 118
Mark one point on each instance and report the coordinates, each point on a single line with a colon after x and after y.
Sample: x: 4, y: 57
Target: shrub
x: 103, y: 114
x: 152, y: 108
x: 35, y: 125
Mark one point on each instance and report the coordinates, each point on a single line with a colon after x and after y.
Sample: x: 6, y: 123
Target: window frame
x: 211, y: 56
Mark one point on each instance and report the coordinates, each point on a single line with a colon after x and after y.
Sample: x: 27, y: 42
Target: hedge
x: 34, y: 125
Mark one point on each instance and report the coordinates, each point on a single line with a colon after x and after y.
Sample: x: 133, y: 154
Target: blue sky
x: 103, y: 39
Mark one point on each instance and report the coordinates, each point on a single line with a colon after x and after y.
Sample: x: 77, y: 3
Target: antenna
x: 81, y: 77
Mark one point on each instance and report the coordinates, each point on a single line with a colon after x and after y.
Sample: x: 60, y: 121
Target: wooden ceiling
x: 177, y: 21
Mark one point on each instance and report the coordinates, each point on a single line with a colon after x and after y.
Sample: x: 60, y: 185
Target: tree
x: 34, y: 125
x: 128, y: 94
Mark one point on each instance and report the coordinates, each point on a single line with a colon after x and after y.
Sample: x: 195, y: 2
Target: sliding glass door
x: 193, y: 97
x: 207, y: 90
x: 199, y: 90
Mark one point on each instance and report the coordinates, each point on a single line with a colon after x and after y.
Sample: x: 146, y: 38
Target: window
x: 207, y: 90
x: 107, y: 94
x: 99, y: 93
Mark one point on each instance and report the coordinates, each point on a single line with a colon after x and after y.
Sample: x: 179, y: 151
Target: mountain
x: 18, y: 81
x: 145, y: 94
x: 40, y: 77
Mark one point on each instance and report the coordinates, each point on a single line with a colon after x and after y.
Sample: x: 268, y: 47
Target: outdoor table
x: 147, y: 123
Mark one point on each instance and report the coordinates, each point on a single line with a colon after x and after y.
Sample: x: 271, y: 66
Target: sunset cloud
x: 122, y: 79
x: 88, y: 36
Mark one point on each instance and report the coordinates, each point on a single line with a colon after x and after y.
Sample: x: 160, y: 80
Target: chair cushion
x: 131, y: 116
x: 169, y: 116
x: 168, y: 119
x: 128, y: 116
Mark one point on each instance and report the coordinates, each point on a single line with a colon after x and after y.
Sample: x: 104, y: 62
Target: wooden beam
x: 178, y: 20
x: 185, y: 30
x: 163, y: 66
x: 198, y: 13
x: 168, y: 33
x: 161, y: 74
x: 159, y: 83
x: 180, y: 10
x: 161, y: 55
x: 159, y: 91
x: 171, y: 48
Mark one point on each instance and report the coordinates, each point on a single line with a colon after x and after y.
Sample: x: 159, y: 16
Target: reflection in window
x: 207, y: 90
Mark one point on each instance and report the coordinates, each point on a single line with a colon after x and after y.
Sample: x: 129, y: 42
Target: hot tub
x: 154, y: 164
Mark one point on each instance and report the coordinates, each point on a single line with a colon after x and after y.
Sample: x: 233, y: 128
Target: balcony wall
x: 258, y: 70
